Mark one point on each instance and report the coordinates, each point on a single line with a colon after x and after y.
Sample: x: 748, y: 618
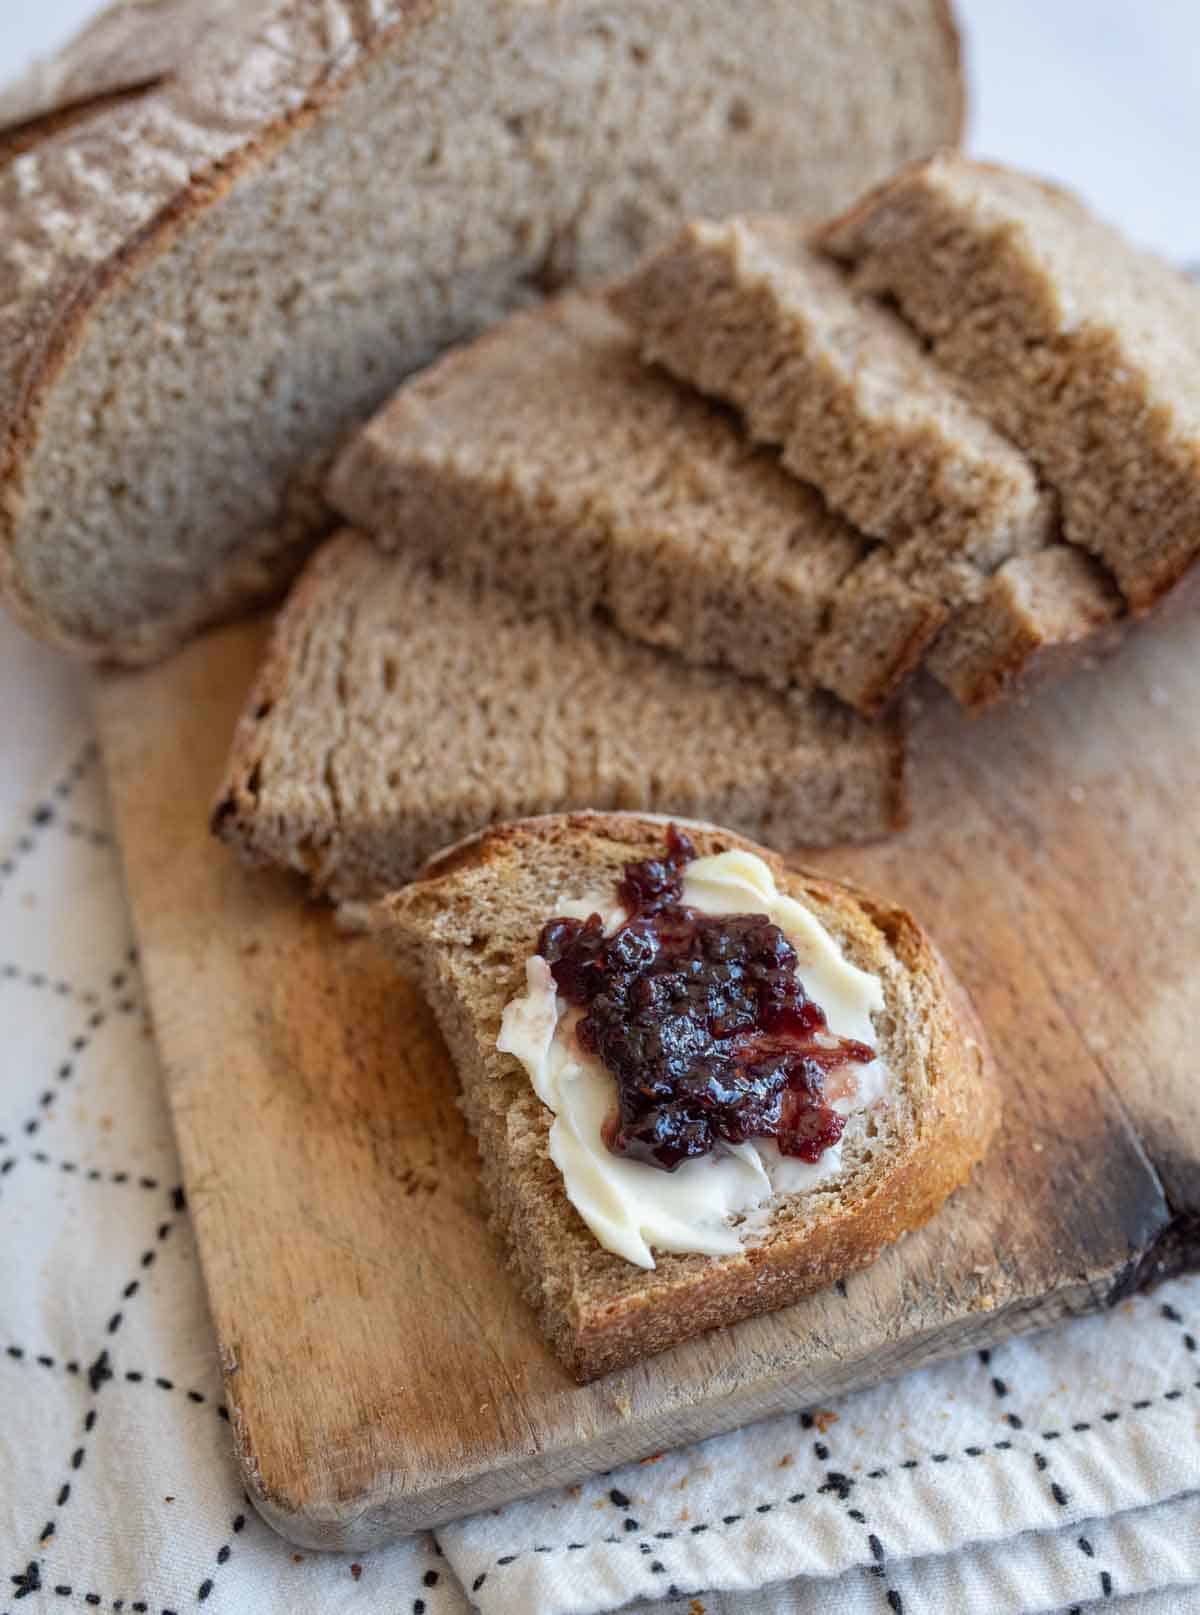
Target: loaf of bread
x: 205, y: 281
x: 466, y: 928
x: 971, y: 578
x: 1079, y: 346
x: 397, y: 711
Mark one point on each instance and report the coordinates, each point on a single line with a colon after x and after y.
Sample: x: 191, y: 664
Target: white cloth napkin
x: 1059, y: 1472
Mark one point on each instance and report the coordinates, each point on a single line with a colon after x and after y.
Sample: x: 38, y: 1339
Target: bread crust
x: 63, y: 329
x: 688, y: 1295
x: 948, y: 23
x: 27, y: 133
x: 234, y: 812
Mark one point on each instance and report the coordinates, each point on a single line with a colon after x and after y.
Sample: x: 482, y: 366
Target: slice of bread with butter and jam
x: 703, y: 1082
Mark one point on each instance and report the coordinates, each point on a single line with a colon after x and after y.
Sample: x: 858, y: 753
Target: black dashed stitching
x: 222, y: 1557
x: 85, y: 832
x: 836, y: 1481
x: 43, y: 815
x: 65, y: 1071
x: 98, y: 1374
x: 93, y: 1174
x: 1041, y: 1462
x: 42, y: 983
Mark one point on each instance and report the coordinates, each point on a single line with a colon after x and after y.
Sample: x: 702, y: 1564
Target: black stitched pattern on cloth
x: 844, y: 1488
x: 1042, y: 1465
x: 45, y: 815
x: 834, y: 1487
x: 98, y: 1016
x: 221, y: 1557
x: 39, y: 980
x: 99, y: 1374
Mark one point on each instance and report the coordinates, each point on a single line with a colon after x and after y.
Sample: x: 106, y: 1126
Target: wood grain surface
x: 380, y: 1371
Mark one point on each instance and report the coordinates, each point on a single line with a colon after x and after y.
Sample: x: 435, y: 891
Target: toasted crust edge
x: 234, y: 817
x: 956, y: 1132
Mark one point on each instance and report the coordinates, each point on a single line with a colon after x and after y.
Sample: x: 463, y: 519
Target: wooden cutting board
x: 380, y: 1371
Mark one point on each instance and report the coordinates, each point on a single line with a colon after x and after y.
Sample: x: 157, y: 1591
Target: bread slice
x: 1038, y: 615
x: 545, y: 458
x: 397, y: 710
x: 1079, y: 346
x: 751, y: 313
x: 465, y: 928
x: 203, y: 286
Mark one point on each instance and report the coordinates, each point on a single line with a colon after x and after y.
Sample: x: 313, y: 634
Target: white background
x: 1104, y: 94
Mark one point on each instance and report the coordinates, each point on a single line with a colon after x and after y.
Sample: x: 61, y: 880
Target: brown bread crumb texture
x: 546, y: 459
x: 1080, y: 347
x: 397, y: 711
x: 466, y: 926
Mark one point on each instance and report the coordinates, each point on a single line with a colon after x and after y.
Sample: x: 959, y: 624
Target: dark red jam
x: 702, y: 1021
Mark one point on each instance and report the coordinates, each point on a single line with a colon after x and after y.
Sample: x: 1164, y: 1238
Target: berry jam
x: 702, y: 1021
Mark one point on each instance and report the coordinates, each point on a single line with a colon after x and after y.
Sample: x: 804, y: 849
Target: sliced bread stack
x: 986, y: 379
x: 950, y: 471
x: 541, y: 635
x: 657, y: 531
